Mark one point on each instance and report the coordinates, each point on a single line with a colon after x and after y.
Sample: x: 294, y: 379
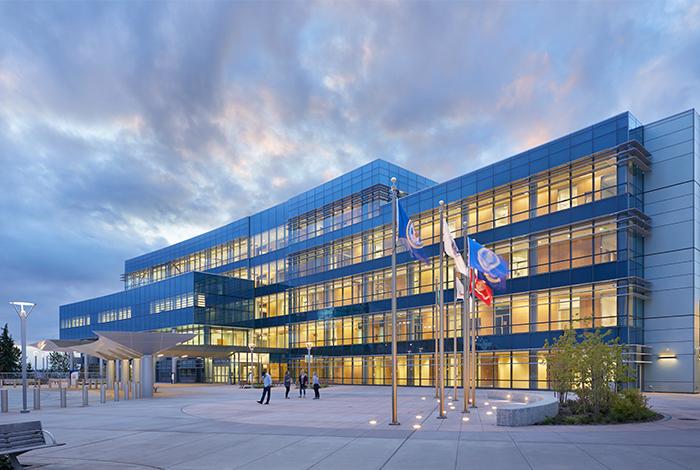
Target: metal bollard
x: 37, y: 398
x: 3, y: 401
x: 103, y: 394
x: 63, y: 397
x: 116, y: 391
x: 85, y: 394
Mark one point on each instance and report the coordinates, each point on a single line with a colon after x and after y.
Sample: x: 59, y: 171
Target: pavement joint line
x: 459, y: 440
x: 520, y: 451
x: 272, y: 452
x: 84, y: 444
x: 671, y: 461
x: 333, y: 452
x: 206, y: 451
x: 413, y: 431
x: 578, y: 446
x: 104, y: 461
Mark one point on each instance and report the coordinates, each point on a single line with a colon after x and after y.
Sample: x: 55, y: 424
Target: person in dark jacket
x: 303, y: 382
x: 287, y: 384
x: 316, y: 384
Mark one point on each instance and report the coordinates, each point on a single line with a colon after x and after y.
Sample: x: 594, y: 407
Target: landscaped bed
x: 593, y: 369
x: 629, y: 406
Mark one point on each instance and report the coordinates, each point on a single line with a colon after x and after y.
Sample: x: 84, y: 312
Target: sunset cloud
x: 125, y: 127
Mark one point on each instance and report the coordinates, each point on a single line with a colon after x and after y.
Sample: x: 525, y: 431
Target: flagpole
x: 435, y: 336
x: 472, y: 317
x: 441, y: 315
x: 455, y: 367
x: 466, y: 329
x: 394, y: 360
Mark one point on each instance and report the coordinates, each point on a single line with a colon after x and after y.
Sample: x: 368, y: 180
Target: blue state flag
x: 492, y: 268
x: 408, y: 235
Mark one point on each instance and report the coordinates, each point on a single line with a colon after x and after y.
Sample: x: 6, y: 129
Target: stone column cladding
x: 136, y: 365
x: 110, y: 371
x: 671, y: 258
x: 124, y: 379
x: 146, y: 376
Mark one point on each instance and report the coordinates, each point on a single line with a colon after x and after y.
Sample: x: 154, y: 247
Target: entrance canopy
x: 111, y: 345
x: 215, y: 352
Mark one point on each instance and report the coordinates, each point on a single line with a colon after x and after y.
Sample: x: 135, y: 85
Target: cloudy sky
x: 127, y: 126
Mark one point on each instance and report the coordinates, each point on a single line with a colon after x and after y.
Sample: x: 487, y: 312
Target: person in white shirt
x: 267, y: 385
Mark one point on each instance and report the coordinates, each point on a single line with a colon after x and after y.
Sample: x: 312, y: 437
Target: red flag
x: 481, y: 290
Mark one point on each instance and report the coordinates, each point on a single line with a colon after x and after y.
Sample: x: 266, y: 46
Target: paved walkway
x: 222, y: 427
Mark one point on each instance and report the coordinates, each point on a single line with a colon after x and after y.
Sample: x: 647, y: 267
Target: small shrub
x: 5, y: 463
x: 630, y: 405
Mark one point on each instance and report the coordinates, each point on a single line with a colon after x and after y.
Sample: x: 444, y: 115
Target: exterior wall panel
x: 670, y: 249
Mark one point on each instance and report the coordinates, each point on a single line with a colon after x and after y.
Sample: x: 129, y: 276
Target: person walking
x: 303, y: 380
x: 287, y: 384
x: 316, y: 386
x: 250, y: 379
x: 267, y: 385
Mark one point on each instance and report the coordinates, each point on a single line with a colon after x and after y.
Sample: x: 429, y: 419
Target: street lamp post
x: 23, y: 315
x: 251, y: 346
x: 308, y: 358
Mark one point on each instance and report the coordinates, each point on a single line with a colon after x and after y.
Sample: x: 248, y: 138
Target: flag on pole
x: 452, y: 251
x: 481, y: 290
x: 459, y: 289
x: 493, y: 268
x: 409, y: 236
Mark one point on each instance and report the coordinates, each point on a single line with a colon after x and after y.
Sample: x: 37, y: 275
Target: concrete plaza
x: 221, y: 427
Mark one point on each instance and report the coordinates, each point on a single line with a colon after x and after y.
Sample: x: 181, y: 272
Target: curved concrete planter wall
x: 531, y: 408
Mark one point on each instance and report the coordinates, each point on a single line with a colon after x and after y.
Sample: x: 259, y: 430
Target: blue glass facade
x: 569, y: 216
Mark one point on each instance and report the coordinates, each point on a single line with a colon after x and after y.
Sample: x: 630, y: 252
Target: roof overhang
x: 111, y: 345
x: 215, y: 352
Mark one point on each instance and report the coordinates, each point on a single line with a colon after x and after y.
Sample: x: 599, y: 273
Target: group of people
x: 303, y: 385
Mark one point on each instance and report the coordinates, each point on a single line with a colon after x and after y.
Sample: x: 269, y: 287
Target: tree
x: 561, y: 364
x: 589, y: 364
x: 601, y: 368
x: 9, y: 353
x: 58, y: 362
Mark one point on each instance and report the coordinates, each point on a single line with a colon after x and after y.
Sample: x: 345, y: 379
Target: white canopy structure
x: 120, y: 347
x: 112, y: 345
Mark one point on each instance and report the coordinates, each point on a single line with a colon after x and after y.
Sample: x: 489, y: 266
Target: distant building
x: 601, y: 228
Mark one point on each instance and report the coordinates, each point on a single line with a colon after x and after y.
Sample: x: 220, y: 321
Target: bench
x: 18, y: 438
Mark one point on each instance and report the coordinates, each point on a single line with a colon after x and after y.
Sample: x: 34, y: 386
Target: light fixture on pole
x: 308, y: 358
x: 23, y: 309
x: 251, y: 347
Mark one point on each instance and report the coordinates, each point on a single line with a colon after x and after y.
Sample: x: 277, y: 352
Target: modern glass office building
x: 601, y: 229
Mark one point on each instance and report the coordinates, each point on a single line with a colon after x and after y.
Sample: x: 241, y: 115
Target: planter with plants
x: 588, y: 373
